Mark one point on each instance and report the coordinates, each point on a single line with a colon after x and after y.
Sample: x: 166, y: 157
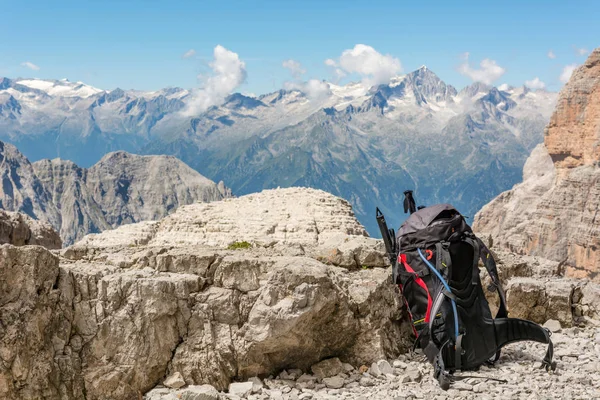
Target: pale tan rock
x: 133, y: 306
x: 174, y: 381
x: 19, y: 230
x: 538, y: 301
x: 34, y: 332
x: 554, y: 212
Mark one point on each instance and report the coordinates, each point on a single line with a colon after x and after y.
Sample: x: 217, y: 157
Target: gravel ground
x: 576, y: 351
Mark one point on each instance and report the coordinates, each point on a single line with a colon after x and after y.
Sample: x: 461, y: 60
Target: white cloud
x: 373, y: 67
x: 330, y: 62
x: 189, y: 53
x: 504, y: 87
x: 582, y: 51
x: 337, y: 72
x: 295, y: 68
x: 488, y: 73
x: 535, y: 83
x: 551, y: 55
x: 314, y: 88
x: 567, y: 72
x: 228, y: 72
x: 30, y: 65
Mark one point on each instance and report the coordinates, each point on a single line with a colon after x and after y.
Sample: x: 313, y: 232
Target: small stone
x: 462, y: 386
x: 305, y: 396
x: 306, y: 378
x: 334, y: 382
x: 414, y: 375
x: 284, y: 375
x: 257, y: 384
x: 553, y: 325
x: 347, y: 367
x: 374, y: 370
x: 327, y: 368
x: 366, y: 382
x: 202, y: 392
x: 276, y: 395
x: 287, y: 382
x: 399, y: 364
x: 404, y: 379
x: 295, y: 373
x: 175, y: 381
x: 241, y: 389
x: 363, y: 369
x: 480, y: 387
x: 385, y: 367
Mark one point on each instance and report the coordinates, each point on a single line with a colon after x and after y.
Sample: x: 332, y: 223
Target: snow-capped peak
x: 61, y: 88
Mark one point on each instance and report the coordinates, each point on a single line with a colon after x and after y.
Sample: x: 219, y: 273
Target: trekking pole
x: 409, y: 202
x: 388, y: 236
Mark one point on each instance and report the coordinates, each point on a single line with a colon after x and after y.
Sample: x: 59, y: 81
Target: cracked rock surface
x: 125, y: 310
x: 295, y: 305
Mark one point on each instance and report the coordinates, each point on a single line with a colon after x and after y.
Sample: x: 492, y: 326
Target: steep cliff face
x: 573, y: 134
x: 555, y: 212
x: 121, y: 188
x: 21, y: 190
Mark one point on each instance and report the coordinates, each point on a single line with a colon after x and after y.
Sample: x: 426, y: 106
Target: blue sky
x: 139, y: 44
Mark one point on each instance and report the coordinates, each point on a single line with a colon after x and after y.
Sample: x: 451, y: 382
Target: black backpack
x: 435, y: 258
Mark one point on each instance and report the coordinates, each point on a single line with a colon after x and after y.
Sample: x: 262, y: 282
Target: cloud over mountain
x: 488, y: 72
x: 228, y: 72
x: 30, y: 65
x: 373, y: 67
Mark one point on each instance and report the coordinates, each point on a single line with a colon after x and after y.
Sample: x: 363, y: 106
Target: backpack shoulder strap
x: 490, y: 265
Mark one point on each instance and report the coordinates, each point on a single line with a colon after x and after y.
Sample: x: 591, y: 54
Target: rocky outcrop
x: 121, y: 188
x: 20, y: 230
x: 536, y: 290
x: 573, y: 134
x: 554, y: 213
x: 213, y: 293
x: 21, y: 190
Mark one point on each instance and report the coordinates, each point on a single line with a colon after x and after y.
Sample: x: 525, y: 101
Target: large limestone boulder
x: 214, y: 293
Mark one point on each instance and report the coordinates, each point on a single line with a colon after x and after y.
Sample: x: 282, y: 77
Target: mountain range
x: 366, y: 144
x: 121, y: 188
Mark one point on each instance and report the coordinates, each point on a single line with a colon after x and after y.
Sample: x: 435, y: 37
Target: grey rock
x: 199, y: 392
x: 385, y: 367
x: 553, y: 325
x: 374, y: 370
x: 366, y: 382
x: 327, y: 368
x: 257, y: 384
x: 347, y: 367
x: 334, y: 382
x: 414, y: 375
x: 241, y: 389
x: 174, y: 381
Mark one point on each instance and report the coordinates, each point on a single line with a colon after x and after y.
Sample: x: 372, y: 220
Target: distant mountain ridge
x: 366, y: 144
x: 121, y: 188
